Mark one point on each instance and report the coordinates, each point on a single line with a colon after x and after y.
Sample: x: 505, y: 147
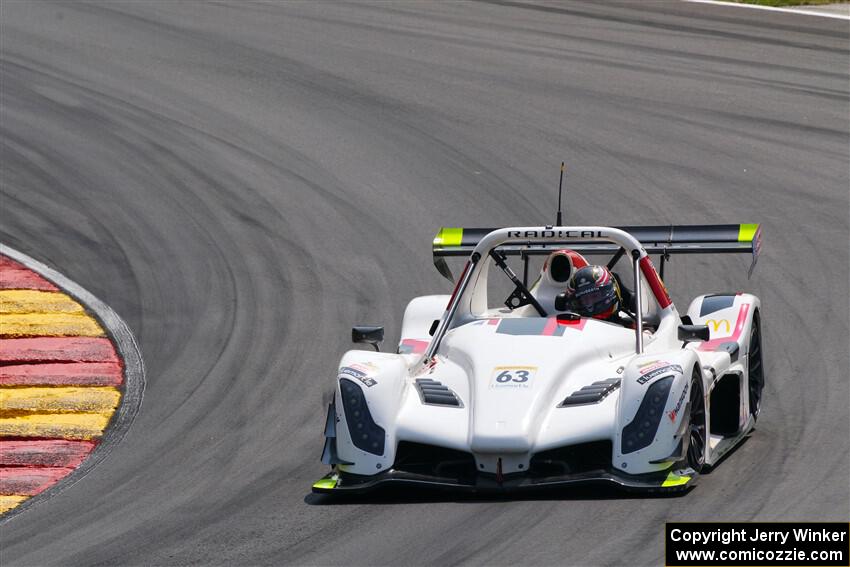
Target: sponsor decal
x: 675, y: 411
x: 715, y: 344
x: 516, y: 377
x: 652, y: 365
x: 360, y: 371
x: 715, y: 324
x: 657, y: 370
x: 555, y: 234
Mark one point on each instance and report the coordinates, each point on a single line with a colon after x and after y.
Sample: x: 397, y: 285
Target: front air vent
x: 435, y: 394
x: 430, y: 460
x: 572, y: 459
x: 592, y: 394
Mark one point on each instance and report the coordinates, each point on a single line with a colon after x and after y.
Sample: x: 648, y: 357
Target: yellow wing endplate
x: 448, y: 237
x: 747, y: 232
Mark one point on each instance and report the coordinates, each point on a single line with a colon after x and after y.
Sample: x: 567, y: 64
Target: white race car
x: 487, y: 396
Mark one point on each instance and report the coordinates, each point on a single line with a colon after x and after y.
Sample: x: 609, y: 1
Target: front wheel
x: 696, y: 426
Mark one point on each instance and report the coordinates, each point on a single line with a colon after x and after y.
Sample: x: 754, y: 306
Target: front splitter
x: 337, y: 482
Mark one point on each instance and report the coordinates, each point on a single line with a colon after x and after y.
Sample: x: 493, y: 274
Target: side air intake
x: 435, y: 394
x: 592, y: 394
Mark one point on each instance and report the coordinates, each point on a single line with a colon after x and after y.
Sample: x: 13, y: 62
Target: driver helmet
x: 593, y: 291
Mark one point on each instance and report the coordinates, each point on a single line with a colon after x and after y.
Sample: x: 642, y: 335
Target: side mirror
x: 693, y: 333
x: 562, y: 307
x: 370, y: 335
x: 561, y: 301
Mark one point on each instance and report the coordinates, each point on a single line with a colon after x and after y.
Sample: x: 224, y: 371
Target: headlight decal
x: 641, y: 431
x: 365, y: 433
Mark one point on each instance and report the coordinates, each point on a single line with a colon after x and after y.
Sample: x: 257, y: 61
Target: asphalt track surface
x: 242, y: 183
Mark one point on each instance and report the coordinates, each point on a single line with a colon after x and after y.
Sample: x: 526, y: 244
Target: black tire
x: 696, y: 425
x: 755, y: 366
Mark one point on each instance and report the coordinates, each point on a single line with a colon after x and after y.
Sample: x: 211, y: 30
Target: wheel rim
x: 756, y: 370
x: 696, y: 446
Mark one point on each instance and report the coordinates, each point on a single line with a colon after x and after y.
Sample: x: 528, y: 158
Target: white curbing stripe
x: 134, y: 376
x: 801, y: 11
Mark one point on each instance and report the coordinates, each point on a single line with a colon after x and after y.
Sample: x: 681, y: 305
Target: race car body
x: 481, y: 396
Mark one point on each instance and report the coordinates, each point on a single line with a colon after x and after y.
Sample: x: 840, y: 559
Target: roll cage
x: 543, y: 240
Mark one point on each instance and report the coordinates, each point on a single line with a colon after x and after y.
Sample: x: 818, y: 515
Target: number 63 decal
x: 512, y: 376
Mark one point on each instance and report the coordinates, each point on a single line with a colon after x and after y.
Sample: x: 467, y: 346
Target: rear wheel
x: 756, y: 367
x: 696, y: 427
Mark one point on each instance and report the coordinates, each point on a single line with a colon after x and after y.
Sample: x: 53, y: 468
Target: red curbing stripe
x: 30, y: 481
x: 44, y: 453
x: 57, y: 349
x: 14, y: 275
x: 62, y: 374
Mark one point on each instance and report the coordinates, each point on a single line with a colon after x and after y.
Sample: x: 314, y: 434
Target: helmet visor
x: 594, y: 301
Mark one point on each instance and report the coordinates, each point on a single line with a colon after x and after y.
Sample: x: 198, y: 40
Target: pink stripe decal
x: 416, y: 346
x: 57, y: 349
x: 551, y: 325
x: 739, y: 327
x: 30, y: 480
x: 44, y: 453
x: 62, y: 374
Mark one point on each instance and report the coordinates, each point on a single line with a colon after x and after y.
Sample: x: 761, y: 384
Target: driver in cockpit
x: 594, y: 291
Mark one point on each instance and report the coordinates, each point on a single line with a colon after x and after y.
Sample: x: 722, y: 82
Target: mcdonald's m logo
x: 716, y: 324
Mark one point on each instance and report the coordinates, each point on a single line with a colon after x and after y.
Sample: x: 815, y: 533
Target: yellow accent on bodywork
x: 449, y: 237
x: 747, y: 232
x: 327, y: 482
x: 675, y: 480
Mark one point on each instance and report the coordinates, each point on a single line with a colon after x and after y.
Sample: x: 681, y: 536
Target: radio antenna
x: 560, y: 185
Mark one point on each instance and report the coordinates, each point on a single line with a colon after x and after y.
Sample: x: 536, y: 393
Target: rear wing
x: 664, y: 240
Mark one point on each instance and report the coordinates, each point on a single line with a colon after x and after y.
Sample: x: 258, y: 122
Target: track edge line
x: 785, y: 10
